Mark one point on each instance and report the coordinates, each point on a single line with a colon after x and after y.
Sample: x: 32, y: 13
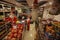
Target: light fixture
x: 31, y: 35
x: 50, y: 3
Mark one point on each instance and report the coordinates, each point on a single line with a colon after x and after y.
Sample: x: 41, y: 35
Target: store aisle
x: 30, y: 35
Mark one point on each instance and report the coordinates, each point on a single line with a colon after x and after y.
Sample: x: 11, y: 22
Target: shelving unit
x: 4, y: 27
x: 4, y: 30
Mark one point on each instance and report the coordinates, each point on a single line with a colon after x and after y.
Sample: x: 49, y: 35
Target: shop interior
x: 29, y: 19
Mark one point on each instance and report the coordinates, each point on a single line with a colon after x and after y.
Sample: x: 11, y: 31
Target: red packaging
x: 15, y: 35
x: 21, y: 27
x: 20, y: 31
x: 8, y: 19
x: 19, y: 35
x: 14, y: 31
x: 13, y: 39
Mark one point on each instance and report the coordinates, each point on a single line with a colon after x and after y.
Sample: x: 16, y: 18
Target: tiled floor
x: 30, y: 35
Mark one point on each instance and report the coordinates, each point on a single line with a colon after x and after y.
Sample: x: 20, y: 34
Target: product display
x: 29, y: 19
x: 52, y: 31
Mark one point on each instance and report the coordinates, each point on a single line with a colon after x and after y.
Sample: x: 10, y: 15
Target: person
x: 13, y: 20
x: 24, y: 22
x: 28, y: 23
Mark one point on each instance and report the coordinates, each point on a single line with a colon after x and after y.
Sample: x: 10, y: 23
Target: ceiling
x: 30, y: 2
x: 13, y: 2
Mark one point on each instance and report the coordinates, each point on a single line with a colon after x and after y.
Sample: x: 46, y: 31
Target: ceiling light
x: 31, y: 35
x: 50, y: 3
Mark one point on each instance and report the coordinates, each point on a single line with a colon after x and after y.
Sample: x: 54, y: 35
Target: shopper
x: 24, y: 22
x: 28, y: 23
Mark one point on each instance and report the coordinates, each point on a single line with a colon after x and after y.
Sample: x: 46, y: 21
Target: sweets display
x: 15, y: 33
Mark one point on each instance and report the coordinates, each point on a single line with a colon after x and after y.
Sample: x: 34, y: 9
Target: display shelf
x: 54, y: 30
x: 5, y: 33
x: 4, y: 29
x: 2, y: 32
